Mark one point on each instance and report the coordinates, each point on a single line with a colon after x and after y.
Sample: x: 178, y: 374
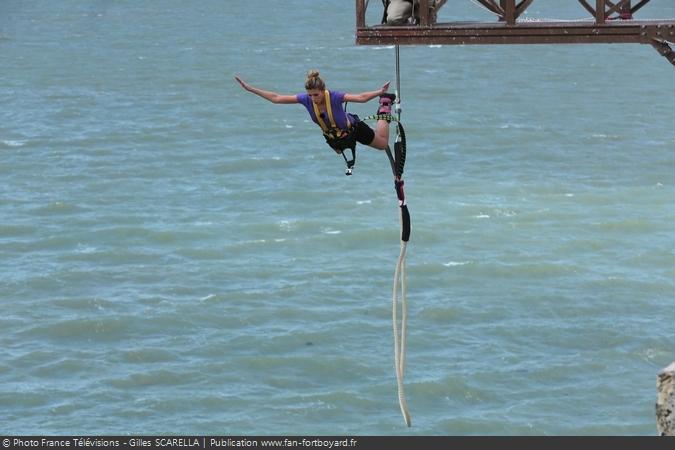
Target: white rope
x: 400, y: 287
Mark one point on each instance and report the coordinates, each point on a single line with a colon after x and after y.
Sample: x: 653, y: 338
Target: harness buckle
x: 350, y: 162
x: 350, y: 167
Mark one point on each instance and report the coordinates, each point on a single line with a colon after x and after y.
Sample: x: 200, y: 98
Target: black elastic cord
x: 397, y: 161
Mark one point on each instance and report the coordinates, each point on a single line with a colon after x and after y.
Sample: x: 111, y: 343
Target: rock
x: 665, y: 403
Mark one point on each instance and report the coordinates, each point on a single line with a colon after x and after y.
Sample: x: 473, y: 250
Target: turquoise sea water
x: 180, y: 256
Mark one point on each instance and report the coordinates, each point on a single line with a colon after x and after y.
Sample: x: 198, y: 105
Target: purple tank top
x: 336, y: 100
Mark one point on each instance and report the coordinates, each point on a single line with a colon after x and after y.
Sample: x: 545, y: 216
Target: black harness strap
x: 350, y: 162
x: 345, y: 142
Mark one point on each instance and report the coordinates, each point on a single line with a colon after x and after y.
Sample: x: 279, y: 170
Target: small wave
x: 147, y: 355
x: 507, y: 126
x: 456, y: 263
x: 81, y: 329
x: 255, y: 241
x: 96, y: 305
x: 286, y: 225
x: 162, y: 377
x: 441, y: 387
x: 56, y: 208
x: 58, y: 367
x: 506, y: 213
x: 627, y: 226
x: 85, y: 249
x: 12, y: 143
x: 605, y: 136
x: 15, y: 230
x: 330, y: 231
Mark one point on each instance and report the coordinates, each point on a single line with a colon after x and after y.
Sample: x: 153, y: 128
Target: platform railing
x: 510, y: 10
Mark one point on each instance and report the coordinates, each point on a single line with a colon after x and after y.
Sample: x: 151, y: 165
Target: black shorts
x: 360, y: 132
x: 363, y: 133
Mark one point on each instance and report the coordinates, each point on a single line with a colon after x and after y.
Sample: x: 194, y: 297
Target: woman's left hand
x: 385, y: 87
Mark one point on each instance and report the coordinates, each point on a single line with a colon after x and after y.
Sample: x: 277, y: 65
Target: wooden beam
x: 509, y: 7
x: 617, y: 7
x: 626, y: 12
x: 424, y: 13
x: 588, y: 7
x: 492, y: 6
x: 563, y: 32
x: 600, y: 11
x: 360, y: 13
x: 635, y: 8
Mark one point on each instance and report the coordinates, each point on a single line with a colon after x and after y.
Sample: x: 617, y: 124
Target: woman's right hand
x: 242, y: 83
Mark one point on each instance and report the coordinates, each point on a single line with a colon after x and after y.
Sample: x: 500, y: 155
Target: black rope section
x: 397, y: 162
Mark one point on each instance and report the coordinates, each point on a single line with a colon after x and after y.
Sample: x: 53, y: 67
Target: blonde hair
x: 314, y: 81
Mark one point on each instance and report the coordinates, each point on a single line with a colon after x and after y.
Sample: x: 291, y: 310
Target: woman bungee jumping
x: 325, y: 107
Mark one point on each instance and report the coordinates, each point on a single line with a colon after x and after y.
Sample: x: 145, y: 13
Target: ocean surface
x: 180, y: 256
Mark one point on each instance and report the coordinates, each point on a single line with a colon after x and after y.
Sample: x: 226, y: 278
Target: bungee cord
x: 399, y: 290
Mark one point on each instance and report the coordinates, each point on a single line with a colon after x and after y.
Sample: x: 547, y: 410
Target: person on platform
x: 403, y: 12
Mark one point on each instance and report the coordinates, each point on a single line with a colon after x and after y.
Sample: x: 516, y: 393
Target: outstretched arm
x: 267, y: 95
x: 363, y: 97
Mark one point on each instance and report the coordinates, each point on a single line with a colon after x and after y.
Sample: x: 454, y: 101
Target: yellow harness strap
x: 329, y: 111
